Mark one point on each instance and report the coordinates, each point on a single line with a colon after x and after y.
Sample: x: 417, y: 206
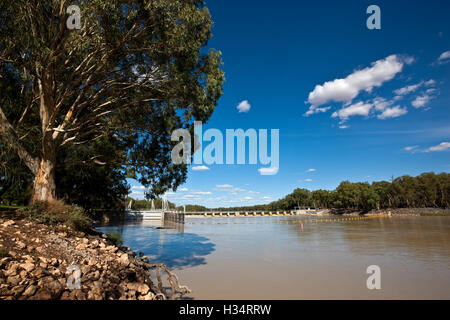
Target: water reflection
x: 166, y: 243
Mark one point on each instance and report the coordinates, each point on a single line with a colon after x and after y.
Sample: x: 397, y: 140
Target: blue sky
x: 378, y: 100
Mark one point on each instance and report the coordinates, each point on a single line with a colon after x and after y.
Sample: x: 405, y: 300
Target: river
x: 297, y: 257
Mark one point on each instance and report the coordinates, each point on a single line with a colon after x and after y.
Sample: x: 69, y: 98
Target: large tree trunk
x: 44, y: 188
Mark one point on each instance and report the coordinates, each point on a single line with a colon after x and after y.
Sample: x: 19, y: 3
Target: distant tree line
x: 426, y: 190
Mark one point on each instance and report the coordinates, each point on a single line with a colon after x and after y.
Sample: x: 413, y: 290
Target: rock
x: 13, y: 280
x: 85, y: 269
x: 4, y: 262
x: 17, y: 290
x: 40, y: 249
x: 96, y: 294
x: 56, y: 273
x: 124, y: 259
x: 31, y: 290
x: 21, y: 245
x: 42, y: 294
x: 81, y: 246
x: 112, y: 249
x: 38, y: 273
x: 50, y: 286
x: 4, y: 291
x: 13, y: 269
x: 92, y: 262
x: 142, y: 288
x: 54, y: 262
x: 43, y: 265
x: 28, y: 266
x: 9, y: 223
x: 77, y: 295
x: 149, y: 296
x: 65, y: 295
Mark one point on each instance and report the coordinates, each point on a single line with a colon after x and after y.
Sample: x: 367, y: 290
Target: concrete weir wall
x: 171, y: 216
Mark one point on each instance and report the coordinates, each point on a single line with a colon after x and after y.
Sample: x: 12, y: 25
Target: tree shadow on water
x: 177, y: 250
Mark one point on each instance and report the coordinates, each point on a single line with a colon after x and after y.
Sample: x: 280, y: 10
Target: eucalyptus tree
x: 133, y: 71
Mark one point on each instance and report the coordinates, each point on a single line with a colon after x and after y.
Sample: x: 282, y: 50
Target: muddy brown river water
x: 292, y: 257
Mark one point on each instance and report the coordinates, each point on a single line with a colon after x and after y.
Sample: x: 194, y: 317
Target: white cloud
x: 183, y: 189
x: 308, y: 180
x: 381, y: 103
x: 408, y: 89
x: 138, y: 187
x: 443, y: 146
x: 421, y: 101
x: 224, y: 186
x: 268, y: 171
x: 344, y: 127
x: 200, y: 168
x: 253, y: 192
x: 316, y: 110
x: 357, y: 109
x: 311, y: 170
x: 411, y: 88
x: 410, y: 148
x: 345, y: 90
x: 244, y: 106
x: 444, y: 57
x: 392, y: 113
x: 201, y: 193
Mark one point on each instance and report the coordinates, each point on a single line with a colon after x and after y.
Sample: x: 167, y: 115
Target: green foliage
x: 114, y: 238
x: 57, y: 213
x: 3, y: 253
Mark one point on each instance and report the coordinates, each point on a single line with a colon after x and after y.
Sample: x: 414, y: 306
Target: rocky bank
x: 41, y: 262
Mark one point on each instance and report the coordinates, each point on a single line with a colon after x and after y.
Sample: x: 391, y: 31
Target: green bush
x: 57, y: 213
x: 114, y: 237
